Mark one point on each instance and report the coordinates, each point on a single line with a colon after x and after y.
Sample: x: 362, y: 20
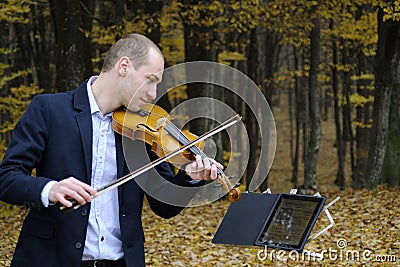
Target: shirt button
x: 84, y: 212
x: 78, y: 245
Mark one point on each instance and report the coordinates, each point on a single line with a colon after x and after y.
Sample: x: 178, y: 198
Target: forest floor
x: 366, y: 232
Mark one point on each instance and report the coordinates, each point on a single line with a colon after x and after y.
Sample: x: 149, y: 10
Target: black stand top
x: 282, y: 221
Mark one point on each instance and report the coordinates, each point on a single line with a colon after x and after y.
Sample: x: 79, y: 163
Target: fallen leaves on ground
x: 366, y: 233
x: 11, y: 218
x: 367, y: 226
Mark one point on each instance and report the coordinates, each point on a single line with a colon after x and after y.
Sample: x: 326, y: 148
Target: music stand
x: 280, y: 221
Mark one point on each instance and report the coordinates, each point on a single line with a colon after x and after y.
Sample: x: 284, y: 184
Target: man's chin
x: 134, y: 108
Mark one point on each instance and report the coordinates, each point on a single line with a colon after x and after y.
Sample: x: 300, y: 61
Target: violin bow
x: 150, y: 165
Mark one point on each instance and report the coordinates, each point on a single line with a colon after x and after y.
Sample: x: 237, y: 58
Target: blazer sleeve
x: 24, y: 154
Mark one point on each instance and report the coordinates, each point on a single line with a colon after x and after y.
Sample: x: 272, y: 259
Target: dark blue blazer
x: 54, y: 136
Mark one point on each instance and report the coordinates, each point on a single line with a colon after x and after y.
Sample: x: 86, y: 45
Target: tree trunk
x: 87, y: 9
x: 305, y: 110
x: 71, y: 67
x: 310, y: 177
x: 340, y: 178
x: 196, y: 50
x: 363, y: 131
x: 387, y: 60
x: 154, y: 8
x: 297, y: 99
x: 251, y: 122
x: 391, y: 167
x: 37, y: 45
x: 291, y: 106
x: 347, y: 132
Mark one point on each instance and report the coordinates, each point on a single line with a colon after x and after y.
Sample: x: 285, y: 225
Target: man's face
x: 140, y: 84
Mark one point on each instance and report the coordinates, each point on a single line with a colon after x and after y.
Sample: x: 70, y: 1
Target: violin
x: 153, y: 125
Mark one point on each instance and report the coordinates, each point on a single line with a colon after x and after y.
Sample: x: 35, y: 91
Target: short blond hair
x: 134, y: 46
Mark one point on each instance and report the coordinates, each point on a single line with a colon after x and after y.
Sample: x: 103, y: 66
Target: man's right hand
x: 71, y: 188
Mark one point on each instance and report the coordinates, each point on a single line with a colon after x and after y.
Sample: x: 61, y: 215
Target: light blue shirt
x: 103, y: 237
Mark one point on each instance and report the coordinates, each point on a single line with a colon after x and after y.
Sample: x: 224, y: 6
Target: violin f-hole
x: 147, y: 127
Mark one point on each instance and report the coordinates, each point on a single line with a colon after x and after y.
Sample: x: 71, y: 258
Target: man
x: 68, y: 139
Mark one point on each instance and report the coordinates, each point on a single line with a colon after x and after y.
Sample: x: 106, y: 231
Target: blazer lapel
x: 84, y: 121
x: 120, y: 165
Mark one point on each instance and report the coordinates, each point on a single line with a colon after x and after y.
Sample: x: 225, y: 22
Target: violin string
x: 178, y: 135
x: 195, y: 150
x: 174, y: 131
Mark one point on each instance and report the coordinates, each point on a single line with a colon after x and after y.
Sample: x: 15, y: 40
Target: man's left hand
x: 203, y: 169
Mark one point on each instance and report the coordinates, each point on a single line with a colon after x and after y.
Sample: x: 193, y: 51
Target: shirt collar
x: 93, y: 105
x: 94, y: 108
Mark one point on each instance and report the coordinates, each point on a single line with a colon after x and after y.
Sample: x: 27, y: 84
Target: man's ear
x: 123, y: 65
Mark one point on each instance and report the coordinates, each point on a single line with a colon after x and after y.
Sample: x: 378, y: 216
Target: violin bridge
x: 162, y: 122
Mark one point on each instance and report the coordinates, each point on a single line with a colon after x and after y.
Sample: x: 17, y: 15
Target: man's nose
x: 152, y: 92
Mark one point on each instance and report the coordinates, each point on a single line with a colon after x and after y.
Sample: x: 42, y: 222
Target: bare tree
x: 71, y: 48
x: 310, y: 176
x: 386, y: 77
